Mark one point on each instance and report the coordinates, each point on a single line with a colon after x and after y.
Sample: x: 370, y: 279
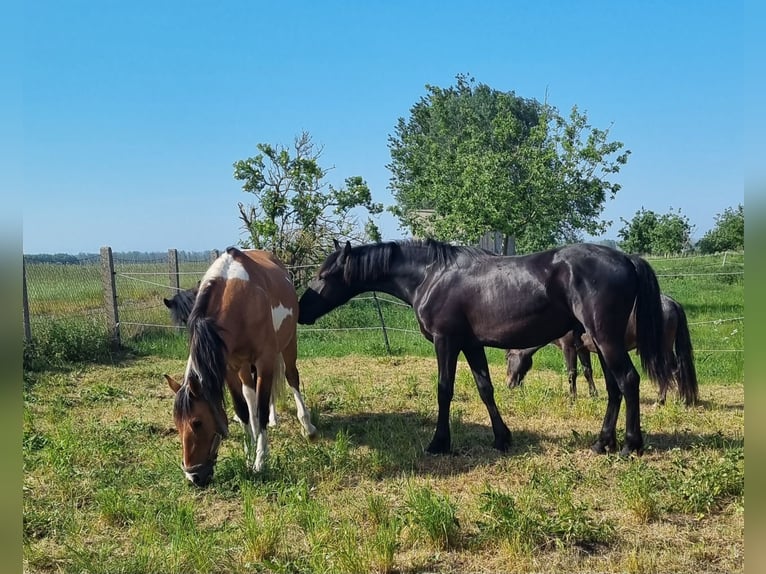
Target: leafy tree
x: 471, y: 159
x: 295, y: 213
x: 728, y: 234
x: 652, y: 234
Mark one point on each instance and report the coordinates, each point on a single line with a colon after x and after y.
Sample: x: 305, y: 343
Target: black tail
x: 650, y: 326
x: 207, y: 349
x: 686, y: 374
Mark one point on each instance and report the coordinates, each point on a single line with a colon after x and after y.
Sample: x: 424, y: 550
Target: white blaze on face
x: 279, y: 314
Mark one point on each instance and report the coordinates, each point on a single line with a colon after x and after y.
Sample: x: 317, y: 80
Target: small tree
x: 728, y: 234
x: 296, y: 214
x: 653, y: 234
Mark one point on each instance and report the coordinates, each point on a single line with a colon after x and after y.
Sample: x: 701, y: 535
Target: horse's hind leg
x: 290, y: 355
x: 621, y: 380
x: 587, y: 370
x: 570, y: 358
x: 477, y: 360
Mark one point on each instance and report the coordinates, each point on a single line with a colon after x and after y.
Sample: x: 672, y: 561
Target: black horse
x: 676, y: 338
x: 466, y: 298
x: 181, y: 304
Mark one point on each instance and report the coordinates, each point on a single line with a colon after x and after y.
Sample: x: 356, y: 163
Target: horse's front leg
x: 446, y: 359
x: 477, y: 360
x: 257, y: 395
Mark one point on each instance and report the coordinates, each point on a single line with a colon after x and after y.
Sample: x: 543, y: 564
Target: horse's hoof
x: 627, y: 452
x: 503, y: 442
x: 312, y: 434
x: 438, y: 447
x: 599, y: 447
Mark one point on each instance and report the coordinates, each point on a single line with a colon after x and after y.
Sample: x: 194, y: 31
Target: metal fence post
x: 27, y: 326
x: 173, y: 270
x: 110, y: 295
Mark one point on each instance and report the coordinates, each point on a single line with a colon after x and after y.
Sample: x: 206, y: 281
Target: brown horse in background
x: 243, y: 333
x: 676, y: 340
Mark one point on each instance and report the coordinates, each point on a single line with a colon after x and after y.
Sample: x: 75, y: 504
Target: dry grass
x: 102, y: 483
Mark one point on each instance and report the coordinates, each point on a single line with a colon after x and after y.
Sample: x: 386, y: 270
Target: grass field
x: 103, y: 491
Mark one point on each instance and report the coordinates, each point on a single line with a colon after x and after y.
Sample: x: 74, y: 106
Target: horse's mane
x: 207, y: 354
x: 373, y: 261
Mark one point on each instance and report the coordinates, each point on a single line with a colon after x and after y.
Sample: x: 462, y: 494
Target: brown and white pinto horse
x: 243, y: 332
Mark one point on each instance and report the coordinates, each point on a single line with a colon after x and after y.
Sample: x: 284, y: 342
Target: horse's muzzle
x: 200, y: 474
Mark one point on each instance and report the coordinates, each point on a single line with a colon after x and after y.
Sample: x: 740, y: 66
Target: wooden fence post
x: 27, y: 326
x: 214, y: 254
x: 382, y: 322
x: 110, y: 296
x: 173, y: 270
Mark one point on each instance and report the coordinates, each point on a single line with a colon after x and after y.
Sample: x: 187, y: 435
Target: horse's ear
x: 336, y: 244
x: 168, y: 303
x: 345, y: 253
x: 175, y: 387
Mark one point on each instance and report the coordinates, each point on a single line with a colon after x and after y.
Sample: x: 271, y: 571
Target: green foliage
x: 295, y: 213
x: 728, y: 234
x: 484, y: 160
x: 651, y: 234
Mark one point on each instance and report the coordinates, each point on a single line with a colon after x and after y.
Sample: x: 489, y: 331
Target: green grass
x: 103, y: 490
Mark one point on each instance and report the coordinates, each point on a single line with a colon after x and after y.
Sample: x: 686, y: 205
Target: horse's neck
x: 401, y: 282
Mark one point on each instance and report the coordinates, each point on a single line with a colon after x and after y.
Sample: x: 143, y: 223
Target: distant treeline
x: 137, y: 256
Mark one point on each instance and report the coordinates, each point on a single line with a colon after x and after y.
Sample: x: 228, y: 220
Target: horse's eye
x: 196, y: 425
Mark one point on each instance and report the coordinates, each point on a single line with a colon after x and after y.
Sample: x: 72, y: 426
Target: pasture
x: 103, y: 491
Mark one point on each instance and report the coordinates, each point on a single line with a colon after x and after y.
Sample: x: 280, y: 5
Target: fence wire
x: 74, y: 293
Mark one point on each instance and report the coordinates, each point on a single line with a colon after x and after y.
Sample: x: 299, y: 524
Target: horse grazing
x: 242, y: 333
x: 181, y: 304
x: 466, y: 298
x: 676, y: 338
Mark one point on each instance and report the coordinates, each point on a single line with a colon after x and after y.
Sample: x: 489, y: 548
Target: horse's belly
x: 520, y: 331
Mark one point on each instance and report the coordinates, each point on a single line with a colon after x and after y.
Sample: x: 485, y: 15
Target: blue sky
x: 132, y: 113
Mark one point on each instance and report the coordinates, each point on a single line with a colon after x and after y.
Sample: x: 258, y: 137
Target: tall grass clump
x: 61, y: 341
x: 433, y: 514
x: 536, y: 519
x: 708, y: 481
x: 641, y: 485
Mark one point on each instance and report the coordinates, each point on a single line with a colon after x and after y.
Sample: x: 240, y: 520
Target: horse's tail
x: 650, y: 325
x: 207, y: 350
x: 686, y: 374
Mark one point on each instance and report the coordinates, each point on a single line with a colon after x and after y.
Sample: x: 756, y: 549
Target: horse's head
x: 201, y: 426
x: 329, y: 289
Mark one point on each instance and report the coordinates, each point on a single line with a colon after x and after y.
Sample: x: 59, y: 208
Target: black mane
x: 372, y: 261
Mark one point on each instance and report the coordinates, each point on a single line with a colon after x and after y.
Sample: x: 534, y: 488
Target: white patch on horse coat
x: 226, y: 267
x: 279, y: 314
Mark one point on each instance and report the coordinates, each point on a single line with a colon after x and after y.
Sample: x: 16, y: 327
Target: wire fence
x: 123, y: 295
